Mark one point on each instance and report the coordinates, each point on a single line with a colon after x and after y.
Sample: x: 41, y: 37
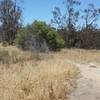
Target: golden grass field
x: 80, y: 55
x: 28, y: 76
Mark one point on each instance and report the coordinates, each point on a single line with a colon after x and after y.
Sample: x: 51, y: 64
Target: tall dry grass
x: 12, y: 55
x: 80, y: 55
x: 48, y: 79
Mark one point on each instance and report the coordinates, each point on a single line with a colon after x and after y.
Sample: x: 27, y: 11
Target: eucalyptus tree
x: 91, y: 16
x: 67, y: 21
x: 10, y: 19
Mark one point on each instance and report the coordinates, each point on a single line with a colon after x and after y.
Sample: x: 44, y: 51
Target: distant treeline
x: 78, y: 27
x: 41, y: 37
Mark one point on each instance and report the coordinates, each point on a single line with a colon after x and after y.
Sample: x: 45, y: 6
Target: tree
x: 10, y: 15
x: 90, y: 16
x: 69, y: 19
x: 89, y: 36
x: 67, y: 22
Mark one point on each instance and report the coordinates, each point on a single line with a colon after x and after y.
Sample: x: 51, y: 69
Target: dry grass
x: 80, y: 55
x: 25, y: 76
x: 47, y: 79
x: 12, y: 55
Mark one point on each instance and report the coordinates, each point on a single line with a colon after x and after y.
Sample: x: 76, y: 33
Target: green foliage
x: 54, y: 40
x: 41, y: 31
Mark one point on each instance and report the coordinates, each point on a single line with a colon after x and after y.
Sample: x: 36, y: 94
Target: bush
x: 54, y: 40
x: 39, y: 37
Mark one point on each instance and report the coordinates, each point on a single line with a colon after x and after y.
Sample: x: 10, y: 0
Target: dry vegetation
x: 28, y: 76
x: 25, y: 76
x: 12, y: 55
x: 80, y: 55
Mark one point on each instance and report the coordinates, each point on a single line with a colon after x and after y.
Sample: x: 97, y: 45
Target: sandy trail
x: 88, y: 86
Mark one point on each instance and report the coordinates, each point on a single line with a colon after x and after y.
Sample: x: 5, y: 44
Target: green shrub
x: 47, y: 37
x: 54, y: 40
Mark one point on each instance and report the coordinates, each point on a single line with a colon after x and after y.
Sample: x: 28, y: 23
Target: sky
x: 42, y: 9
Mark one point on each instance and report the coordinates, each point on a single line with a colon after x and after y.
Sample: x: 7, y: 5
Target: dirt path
x: 88, y: 86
